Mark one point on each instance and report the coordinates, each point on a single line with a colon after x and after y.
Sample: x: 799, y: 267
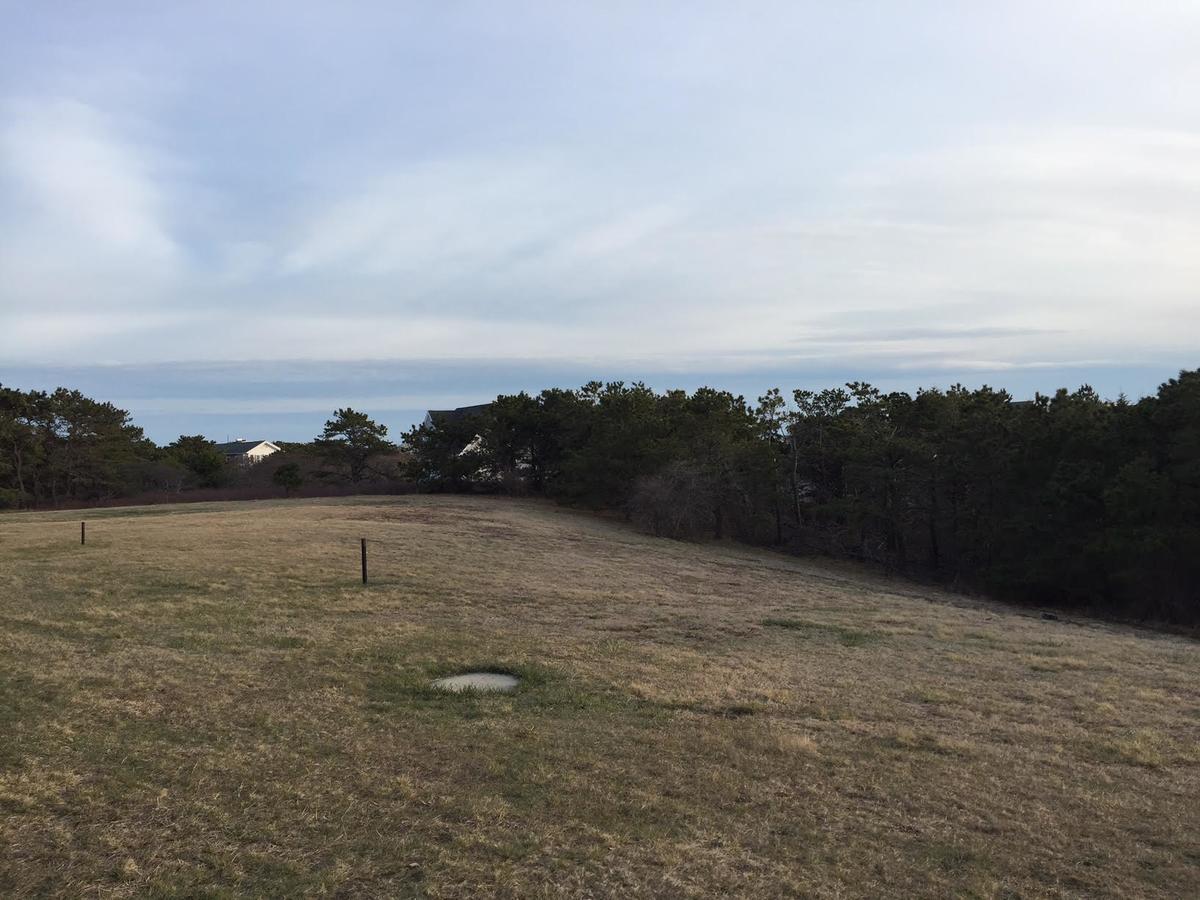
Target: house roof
x: 454, y: 415
x: 236, y: 448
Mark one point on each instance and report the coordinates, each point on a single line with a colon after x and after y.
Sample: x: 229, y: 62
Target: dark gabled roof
x: 234, y: 448
x: 454, y: 415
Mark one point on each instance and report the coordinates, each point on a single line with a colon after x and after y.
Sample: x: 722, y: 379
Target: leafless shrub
x: 678, y: 502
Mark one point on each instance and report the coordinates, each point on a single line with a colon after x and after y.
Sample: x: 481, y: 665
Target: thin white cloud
x: 1012, y: 186
x: 429, y: 218
x: 77, y: 175
x: 61, y: 336
x: 83, y: 227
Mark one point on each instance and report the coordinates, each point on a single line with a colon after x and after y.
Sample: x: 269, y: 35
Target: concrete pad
x: 477, y: 681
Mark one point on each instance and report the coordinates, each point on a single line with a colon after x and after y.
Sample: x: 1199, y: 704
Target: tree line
x: 60, y: 448
x: 1068, y: 500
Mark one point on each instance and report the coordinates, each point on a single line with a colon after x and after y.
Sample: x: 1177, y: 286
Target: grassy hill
x: 205, y: 701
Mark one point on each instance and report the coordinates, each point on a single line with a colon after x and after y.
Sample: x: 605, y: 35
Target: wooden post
x: 364, y: 559
x: 82, y: 532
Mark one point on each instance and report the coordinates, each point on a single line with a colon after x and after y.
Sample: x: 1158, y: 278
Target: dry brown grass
x: 203, y: 701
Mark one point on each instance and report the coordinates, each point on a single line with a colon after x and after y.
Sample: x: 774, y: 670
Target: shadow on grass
x: 26, y: 703
x: 848, y: 637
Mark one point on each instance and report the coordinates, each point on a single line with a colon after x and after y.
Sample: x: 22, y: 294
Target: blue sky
x: 232, y: 219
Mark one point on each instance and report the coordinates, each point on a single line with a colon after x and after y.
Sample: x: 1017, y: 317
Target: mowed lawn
x: 205, y: 701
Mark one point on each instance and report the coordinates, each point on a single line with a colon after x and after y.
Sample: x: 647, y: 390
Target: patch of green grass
x: 80, y: 633
x: 909, y: 740
x: 721, y: 710
x: 26, y: 701
x: 848, y: 637
x: 983, y: 639
x: 824, y: 712
x: 134, y: 752
x: 287, y: 642
x: 198, y: 642
x: 254, y: 874
x: 1143, y: 748
x: 394, y: 686
x: 954, y: 857
x: 1042, y: 662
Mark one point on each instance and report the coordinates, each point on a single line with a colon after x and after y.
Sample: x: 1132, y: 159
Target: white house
x: 247, y: 453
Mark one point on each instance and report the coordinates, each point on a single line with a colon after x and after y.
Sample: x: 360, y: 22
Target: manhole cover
x: 477, y: 681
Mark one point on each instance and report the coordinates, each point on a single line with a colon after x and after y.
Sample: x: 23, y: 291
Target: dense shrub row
x: 1068, y: 499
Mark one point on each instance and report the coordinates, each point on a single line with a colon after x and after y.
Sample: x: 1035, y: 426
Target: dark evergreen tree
x: 349, y: 440
x: 1067, y: 499
x: 205, y: 464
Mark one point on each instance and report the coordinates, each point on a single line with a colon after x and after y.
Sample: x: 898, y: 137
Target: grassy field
x: 204, y: 701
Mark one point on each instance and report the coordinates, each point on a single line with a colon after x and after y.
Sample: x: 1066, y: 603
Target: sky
x: 233, y: 218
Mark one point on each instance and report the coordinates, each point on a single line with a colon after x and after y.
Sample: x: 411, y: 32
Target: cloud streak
x: 924, y: 190
x: 74, y: 171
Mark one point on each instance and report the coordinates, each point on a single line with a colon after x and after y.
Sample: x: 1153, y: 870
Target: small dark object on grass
x: 1050, y: 617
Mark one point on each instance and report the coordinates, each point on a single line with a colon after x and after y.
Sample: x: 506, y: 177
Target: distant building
x: 441, y: 416
x: 247, y: 453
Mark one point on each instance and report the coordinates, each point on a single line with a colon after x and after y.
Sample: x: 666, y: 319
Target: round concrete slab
x: 477, y: 681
